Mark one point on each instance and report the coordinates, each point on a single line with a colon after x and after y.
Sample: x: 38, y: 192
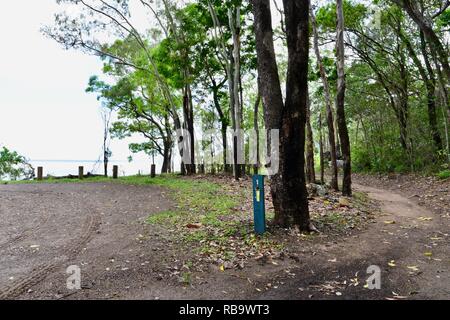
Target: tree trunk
x: 330, y: 118
x: 269, y: 85
x: 310, y: 169
x: 192, y: 167
x: 322, y: 160
x: 167, y: 157
x: 223, y: 121
x: 105, y: 165
x: 235, y: 26
x: 288, y: 190
x: 256, y: 127
x: 340, y: 102
x: 189, y: 144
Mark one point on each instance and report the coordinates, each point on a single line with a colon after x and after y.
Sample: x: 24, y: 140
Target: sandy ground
x: 100, y: 228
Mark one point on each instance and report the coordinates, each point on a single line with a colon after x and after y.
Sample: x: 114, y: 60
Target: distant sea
x: 67, y: 167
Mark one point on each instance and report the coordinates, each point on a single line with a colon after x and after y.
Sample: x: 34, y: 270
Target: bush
x: 14, y: 166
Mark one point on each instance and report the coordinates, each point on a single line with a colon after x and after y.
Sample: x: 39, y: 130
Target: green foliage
x: 354, y: 13
x: 150, y: 72
x: 443, y: 20
x: 444, y: 174
x: 14, y: 166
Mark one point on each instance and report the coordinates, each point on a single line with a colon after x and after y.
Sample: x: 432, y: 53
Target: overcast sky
x: 44, y: 110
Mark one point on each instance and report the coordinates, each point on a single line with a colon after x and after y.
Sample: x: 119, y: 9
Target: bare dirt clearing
x: 101, y: 227
x: 46, y: 228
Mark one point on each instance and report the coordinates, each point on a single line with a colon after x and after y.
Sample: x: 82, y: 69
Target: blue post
x: 259, y: 205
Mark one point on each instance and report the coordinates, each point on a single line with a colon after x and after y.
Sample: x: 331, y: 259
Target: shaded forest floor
x: 191, y: 238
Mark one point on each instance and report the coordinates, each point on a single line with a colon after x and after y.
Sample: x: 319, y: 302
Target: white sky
x: 44, y: 110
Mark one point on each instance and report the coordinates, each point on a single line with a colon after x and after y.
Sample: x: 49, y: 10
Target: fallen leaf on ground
x: 343, y: 202
x: 413, y: 268
x: 392, y: 263
x: 194, y: 225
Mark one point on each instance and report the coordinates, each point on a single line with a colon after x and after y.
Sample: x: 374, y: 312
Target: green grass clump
x: 198, y: 201
x: 444, y: 174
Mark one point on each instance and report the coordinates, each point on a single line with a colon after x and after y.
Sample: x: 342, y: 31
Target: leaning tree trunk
x: 327, y: 92
x: 340, y: 102
x: 289, y: 188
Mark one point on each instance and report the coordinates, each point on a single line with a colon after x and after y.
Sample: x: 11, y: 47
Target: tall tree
x: 328, y: 103
x: 340, y: 101
x: 288, y: 187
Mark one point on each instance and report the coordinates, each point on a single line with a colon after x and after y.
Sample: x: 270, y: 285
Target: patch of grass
x: 333, y: 220
x: 444, y: 174
x: 198, y: 201
x: 186, y: 278
x: 161, y: 217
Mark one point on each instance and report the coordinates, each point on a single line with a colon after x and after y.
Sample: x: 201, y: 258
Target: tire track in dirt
x: 40, y: 273
x: 23, y: 235
x: 29, y: 231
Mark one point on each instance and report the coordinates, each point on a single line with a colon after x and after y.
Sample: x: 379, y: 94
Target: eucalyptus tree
x: 288, y: 187
x: 340, y: 100
x: 140, y: 110
x: 328, y: 102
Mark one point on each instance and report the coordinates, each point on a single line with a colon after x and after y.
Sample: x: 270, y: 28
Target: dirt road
x: 410, y: 244
x: 99, y: 227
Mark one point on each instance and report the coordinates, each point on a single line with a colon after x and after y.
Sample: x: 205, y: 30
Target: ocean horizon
x: 64, y: 167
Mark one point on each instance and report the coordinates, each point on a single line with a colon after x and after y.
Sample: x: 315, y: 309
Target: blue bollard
x: 259, y: 205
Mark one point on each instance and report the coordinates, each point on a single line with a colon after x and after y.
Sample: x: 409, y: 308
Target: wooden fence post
x: 80, y: 172
x: 115, y: 172
x: 40, y: 173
